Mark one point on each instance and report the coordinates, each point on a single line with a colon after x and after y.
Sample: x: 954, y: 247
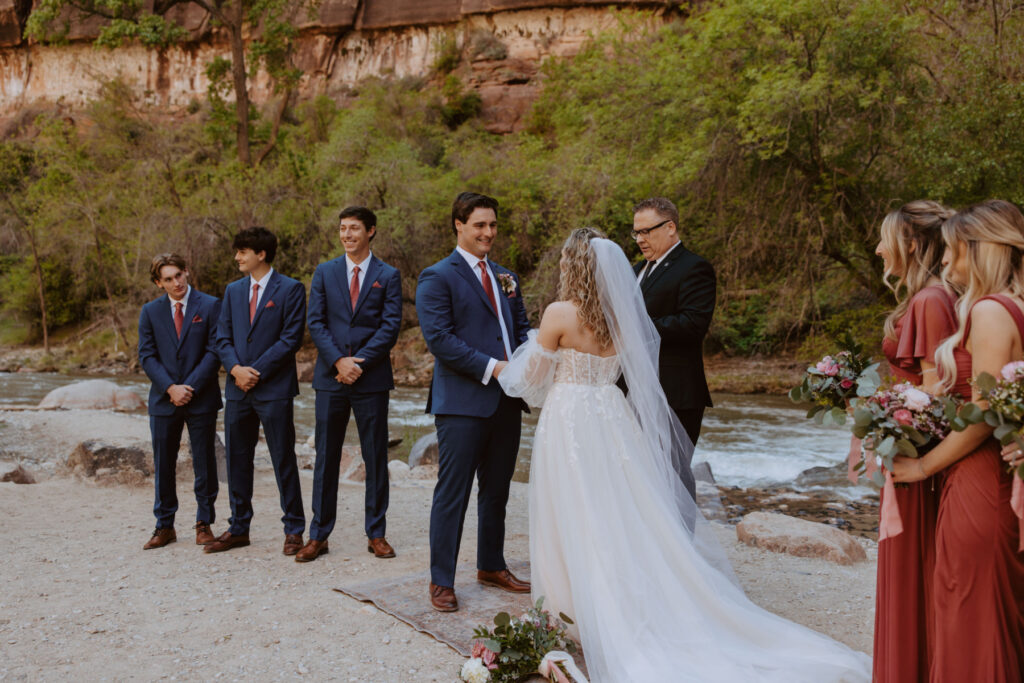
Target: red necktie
x: 179, y: 318
x: 353, y: 289
x: 486, y: 280
x: 253, y: 301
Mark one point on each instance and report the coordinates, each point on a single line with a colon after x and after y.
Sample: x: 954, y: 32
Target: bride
x: 616, y: 542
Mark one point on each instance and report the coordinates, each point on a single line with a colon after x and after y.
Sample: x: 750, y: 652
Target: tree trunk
x: 240, y: 82
x: 42, y: 290
x: 118, y: 327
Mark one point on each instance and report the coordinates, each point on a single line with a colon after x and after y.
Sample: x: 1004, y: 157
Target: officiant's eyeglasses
x: 637, y: 234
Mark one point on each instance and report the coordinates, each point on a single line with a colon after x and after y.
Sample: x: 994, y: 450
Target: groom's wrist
x: 489, y: 371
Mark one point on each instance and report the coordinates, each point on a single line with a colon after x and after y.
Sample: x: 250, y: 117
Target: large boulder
x: 424, y: 451
x: 785, y: 534
x: 128, y: 464
x: 93, y: 394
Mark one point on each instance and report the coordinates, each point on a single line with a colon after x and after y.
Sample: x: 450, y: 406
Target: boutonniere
x: 375, y: 284
x: 270, y: 304
x: 508, y: 284
x: 196, y: 319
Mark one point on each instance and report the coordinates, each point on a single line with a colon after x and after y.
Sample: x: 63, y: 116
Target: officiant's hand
x: 498, y: 367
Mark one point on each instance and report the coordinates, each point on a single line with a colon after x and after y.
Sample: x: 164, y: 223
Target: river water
x: 749, y: 440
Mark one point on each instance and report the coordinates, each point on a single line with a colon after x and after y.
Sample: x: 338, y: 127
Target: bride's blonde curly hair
x: 578, y: 285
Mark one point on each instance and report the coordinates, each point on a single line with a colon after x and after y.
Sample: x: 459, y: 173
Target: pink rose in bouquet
x: 827, y: 366
x: 485, y: 655
x: 1013, y: 371
x: 830, y: 385
x: 903, y: 416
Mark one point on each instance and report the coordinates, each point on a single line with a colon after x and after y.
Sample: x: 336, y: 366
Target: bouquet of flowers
x: 831, y: 383
x: 1005, y: 412
x: 900, y: 420
x: 519, y: 647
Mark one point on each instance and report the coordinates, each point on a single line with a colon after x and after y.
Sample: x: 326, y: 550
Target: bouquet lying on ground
x: 1005, y: 397
x: 901, y: 420
x: 518, y: 647
x: 831, y: 383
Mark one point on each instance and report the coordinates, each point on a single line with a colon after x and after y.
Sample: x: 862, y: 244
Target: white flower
x: 474, y: 671
x: 915, y: 399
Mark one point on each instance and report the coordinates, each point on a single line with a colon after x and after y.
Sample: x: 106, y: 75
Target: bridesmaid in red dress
x: 978, y: 589
x: 911, y: 247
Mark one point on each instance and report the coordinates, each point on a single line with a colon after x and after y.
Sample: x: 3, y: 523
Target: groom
x: 472, y: 316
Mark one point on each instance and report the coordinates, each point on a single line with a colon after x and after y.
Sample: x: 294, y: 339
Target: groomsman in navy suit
x: 472, y: 316
x: 261, y: 326
x: 178, y: 353
x: 355, y: 312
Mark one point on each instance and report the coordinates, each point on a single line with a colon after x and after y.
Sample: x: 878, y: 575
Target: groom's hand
x: 498, y: 367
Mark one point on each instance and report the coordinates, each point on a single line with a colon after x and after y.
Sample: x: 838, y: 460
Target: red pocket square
x: 270, y: 304
x: 376, y: 284
x: 197, y: 319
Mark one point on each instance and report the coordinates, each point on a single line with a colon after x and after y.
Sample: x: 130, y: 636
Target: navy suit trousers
x: 242, y: 420
x: 484, y: 447
x: 166, y: 431
x: 332, y: 412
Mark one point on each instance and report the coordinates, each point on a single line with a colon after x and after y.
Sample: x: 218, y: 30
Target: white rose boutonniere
x: 507, y: 283
x: 474, y: 671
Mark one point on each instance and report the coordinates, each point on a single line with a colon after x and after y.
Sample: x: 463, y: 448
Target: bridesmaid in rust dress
x: 911, y: 247
x: 978, y: 588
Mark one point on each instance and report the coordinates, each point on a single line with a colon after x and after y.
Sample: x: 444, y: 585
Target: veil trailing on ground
x: 637, y: 343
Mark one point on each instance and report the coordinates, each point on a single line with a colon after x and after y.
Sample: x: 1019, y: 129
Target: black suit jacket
x: 680, y: 298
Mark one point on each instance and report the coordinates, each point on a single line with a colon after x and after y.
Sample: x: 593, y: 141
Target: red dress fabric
x: 978, y: 589
x: 906, y: 562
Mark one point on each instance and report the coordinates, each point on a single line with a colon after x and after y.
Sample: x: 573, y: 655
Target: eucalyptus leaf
x: 502, y: 619
x: 492, y: 645
x: 905, y: 447
x: 1004, y: 433
x: 886, y: 447
x: 813, y: 412
x: 971, y: 413
x: 957, y: 424
x: 860, y: 431
x: 986, y: 382
x: 992, y: 418
x: 838, y: 416
x: 564, y: 617
x: 796, y: 395
x: 862, y: 417
x: 878, y: 477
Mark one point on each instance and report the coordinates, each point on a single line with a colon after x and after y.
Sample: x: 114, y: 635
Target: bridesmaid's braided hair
x: 991, y: 236
x: 917, y: 223
x: 578, y: 285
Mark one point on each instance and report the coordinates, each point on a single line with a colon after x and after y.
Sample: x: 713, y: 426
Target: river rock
x: 93, y: 394
x: 424, y: 451
x: 398, y: 470
x: 358, y: 473
x: 785, y: 534
x: 305, y: 370
x: 426, y: 472
x: 830, y: 476
x: 702, y: 472
x: 92, y: 456
x: 709, y: 500
x: 16, y: 474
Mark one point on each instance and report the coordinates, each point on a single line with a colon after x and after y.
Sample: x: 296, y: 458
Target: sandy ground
x: 83, y: 601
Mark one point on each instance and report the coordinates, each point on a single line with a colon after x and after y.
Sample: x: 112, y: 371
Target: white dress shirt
x: 473, y: 262
x: 648, y: 266
x: 263, y: 287
x: 183, y: 302
x: 350, y: 264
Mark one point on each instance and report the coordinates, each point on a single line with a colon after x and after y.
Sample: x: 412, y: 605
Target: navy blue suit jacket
x: 463, y: 333
x: 368, y: 332
x: 270, y: 343
x: 190, y: 359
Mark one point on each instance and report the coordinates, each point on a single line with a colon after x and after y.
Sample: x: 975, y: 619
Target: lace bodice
x: 576, y: 367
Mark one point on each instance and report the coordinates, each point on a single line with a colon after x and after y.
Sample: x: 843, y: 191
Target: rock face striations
x: 500, y: 45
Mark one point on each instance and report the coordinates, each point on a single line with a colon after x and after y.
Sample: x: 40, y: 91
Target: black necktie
x: 651, y: 265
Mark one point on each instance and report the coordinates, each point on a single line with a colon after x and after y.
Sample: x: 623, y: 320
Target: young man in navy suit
x: 355, y: 312
x: 178, y: 353
x: 472, y: 316
x: 262, y: 321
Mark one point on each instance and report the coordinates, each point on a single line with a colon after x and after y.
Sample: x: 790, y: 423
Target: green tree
x: 271, y: 21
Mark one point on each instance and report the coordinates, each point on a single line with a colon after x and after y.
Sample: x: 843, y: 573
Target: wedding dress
x: 617, y: 543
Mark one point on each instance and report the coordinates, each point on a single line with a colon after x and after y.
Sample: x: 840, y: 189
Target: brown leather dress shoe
x: 203, y: 533
x: 442, y: 598
x: 292, y: 544
x: 312, y: 550
x: 226, y: 541
x: 380, y: 547
x: 504, y: 579
x: 160, y: 538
